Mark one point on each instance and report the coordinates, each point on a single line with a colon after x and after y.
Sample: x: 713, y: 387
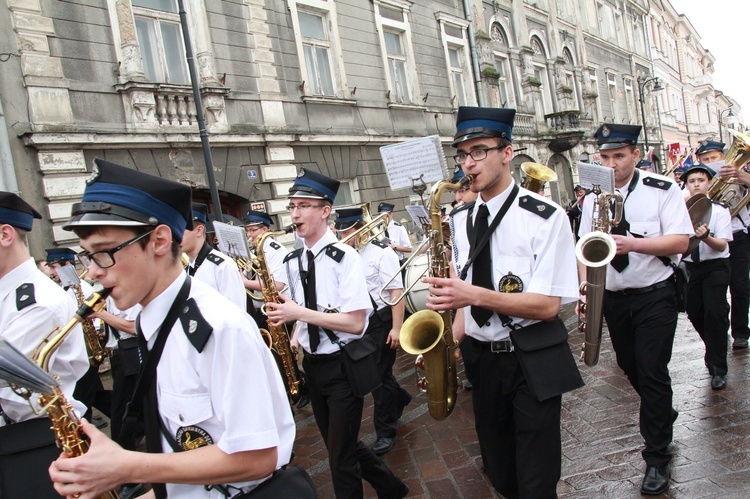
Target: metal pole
x: 641, y: 85
x: 211, y: 179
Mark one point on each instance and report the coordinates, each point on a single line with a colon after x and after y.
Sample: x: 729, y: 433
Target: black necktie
x: 481, y: 274
x: 311, y: 300
x: 620, y: 262
x: 695, y: 255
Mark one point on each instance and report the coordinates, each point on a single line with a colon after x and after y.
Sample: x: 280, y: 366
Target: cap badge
x: 95, y: 173
x: 606, y: 132
x: 301, y: 173
x: 704, y: 142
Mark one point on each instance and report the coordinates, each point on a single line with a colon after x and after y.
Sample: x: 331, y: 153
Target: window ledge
x: 399, y: 105
x: 316, y: 99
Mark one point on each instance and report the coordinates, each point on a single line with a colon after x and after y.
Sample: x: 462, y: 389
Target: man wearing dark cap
x: 211, y: 265
x: 329, y: 300
x: 215, y: 406
x: 381, y: 265
x: 708, y: 265
x: 640, y: 297
x: 574, y: 209
x: 57, y: 257
x: 31, y: 306
x: 258, y: 223
x: 522, y: 269
x: 678, y: 176
x: 711, y: 153
x: 464, y: 194
x: 396, y: 233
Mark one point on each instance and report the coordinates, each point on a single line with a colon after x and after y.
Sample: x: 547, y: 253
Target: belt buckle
x: 503, y: 346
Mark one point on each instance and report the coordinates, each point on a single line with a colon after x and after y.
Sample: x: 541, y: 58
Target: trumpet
x: 373, y: 229
x: 725, y: 190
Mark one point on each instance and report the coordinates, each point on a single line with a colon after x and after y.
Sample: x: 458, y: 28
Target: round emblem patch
x: 193, y: 437
x: 510, y: 284
x: 606, y: 131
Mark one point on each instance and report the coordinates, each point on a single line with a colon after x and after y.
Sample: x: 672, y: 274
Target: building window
x: 453, y: 31
x: 502, y: 97
x: 596, y: 109
x: 316, y: 35
x: 629, y: 99
x: 540, y: 74
x: 392, y: 23
x: 157, y: 25
x: 612, y: 93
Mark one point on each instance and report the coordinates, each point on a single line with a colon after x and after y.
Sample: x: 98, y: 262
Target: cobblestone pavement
x: 601, y: 442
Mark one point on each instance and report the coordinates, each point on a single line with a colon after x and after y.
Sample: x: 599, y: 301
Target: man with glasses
x: 216, y: 411
x: 211, y: 265
x: 31, y: 306
x: 517, y: 279
x: 329, y: 300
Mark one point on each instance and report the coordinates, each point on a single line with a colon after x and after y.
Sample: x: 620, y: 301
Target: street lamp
x: 642, y: 82
x: 721, y: 114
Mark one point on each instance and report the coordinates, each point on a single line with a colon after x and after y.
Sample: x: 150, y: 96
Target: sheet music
x: 418, y: 213
x: 408, y: 160
x: 68, y: 275
x: 232, y: 240
x: 19, y: 370
x: 590, y: 175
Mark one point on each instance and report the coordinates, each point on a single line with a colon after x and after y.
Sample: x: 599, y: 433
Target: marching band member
x: 381, y: 265
x: 521, y: 276
x: 739, y: 247
x: 396, y: 233
x: 708, y: 265
x: 31, y: 306
x: 216, y: 411
x: 328, y: 293
x: 210, y: 265
x: 257, y: 223
x: 640, y: 297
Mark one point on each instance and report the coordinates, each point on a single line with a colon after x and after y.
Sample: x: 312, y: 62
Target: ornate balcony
x: 565, y: 129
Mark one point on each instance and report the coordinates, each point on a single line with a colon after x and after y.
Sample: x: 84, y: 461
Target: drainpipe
x: 474, y: 55
x: 8, y: 181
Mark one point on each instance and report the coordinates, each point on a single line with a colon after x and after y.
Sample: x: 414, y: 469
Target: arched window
x: 502, y: 96
x: 540, y: 73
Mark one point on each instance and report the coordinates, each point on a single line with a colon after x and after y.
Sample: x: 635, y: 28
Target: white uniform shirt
x: 651, y: 212
x: 381, y: 264
x: 223, y: 276
x: 129, y: 315
x: 275, y: 254
x: 339, y: 286
x: 720, y: 225
x: 539, y: 251
x: 26, y: 328
x: 741, y: 221
x: 399, y: 236
x: 231, y: 390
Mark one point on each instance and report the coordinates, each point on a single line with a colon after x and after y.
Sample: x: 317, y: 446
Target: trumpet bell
x: 421, y: 332
x: 596, y: 249
x: 536, y: 175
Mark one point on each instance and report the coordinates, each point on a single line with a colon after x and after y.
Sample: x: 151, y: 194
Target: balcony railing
x: 525, y: 124
x: 563, y: 121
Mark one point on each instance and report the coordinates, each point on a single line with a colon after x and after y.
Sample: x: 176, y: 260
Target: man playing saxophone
x: 31, y: 306
x: 529, y: 250
x: 640, y: 304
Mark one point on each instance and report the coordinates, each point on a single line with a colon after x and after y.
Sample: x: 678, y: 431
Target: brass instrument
x: 97, y: 353
x: 276, y: 337
x: 248, y: 267
x: 184, y: 259
x: 65, y: 422
x: 595, y: 250
x: 536, y: 175
x: 726, y: 190
x: 373, y: 229
x: 428, y: 334
x: 699, y: 209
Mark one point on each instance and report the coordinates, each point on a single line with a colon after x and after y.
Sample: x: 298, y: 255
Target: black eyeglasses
x: 104, y: 259
x: 476, y: 154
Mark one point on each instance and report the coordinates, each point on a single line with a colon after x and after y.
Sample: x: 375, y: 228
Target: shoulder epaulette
x: 292, y: 254
x: 397, y: 224
x: 536, y: 206
x: 274, y: 245
x: 197, y: 329
x: 379, y: 244
x: 25, y: 295
x: 659, y: 183
x: 464, y: 207
x: 723, y: 205
x: 214, y: 258
x: 335, y: 253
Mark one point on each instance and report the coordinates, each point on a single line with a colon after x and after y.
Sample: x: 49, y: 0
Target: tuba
x: 65, y: 422
x: 427, y: 333
x: 276, y: 337
x: 595, y: 250
x: 97, y: 353
x: 726, y: 190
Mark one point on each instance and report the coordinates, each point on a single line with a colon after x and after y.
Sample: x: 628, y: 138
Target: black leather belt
x: 502, y: 346
x: 639, y: 291
x: 317, y: 358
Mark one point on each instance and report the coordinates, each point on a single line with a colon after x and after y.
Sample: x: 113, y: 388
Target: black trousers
x: 338, y: 414
x: 91, y: 393
x: 389, y: 395
x: 739, y: 284
x: 708, y: 310
x: 642, y: 329
x: 123, y: 387
x: 519, y: 437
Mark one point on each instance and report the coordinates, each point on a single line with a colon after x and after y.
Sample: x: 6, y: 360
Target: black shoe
x: 674, y: 415
x: 467, y: 385
x: 404, y: 399
x: 403, y: 491
x: 303, y: 400
x: 655, y: 481
x: 718, y: 382
x: 739, y: 344
x: 383, y: 445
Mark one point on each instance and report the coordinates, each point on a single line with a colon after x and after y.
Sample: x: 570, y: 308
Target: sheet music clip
x: 420, y: 188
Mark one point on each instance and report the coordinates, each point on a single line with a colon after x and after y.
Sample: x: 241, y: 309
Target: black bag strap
x: 205, y: 250
x: 147, y: 374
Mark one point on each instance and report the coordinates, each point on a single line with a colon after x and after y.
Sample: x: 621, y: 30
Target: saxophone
x: 276, y: 336
x: 428, y: 334
x: 65, y: 422
x: 97, y: 353
x: 595, y: 250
